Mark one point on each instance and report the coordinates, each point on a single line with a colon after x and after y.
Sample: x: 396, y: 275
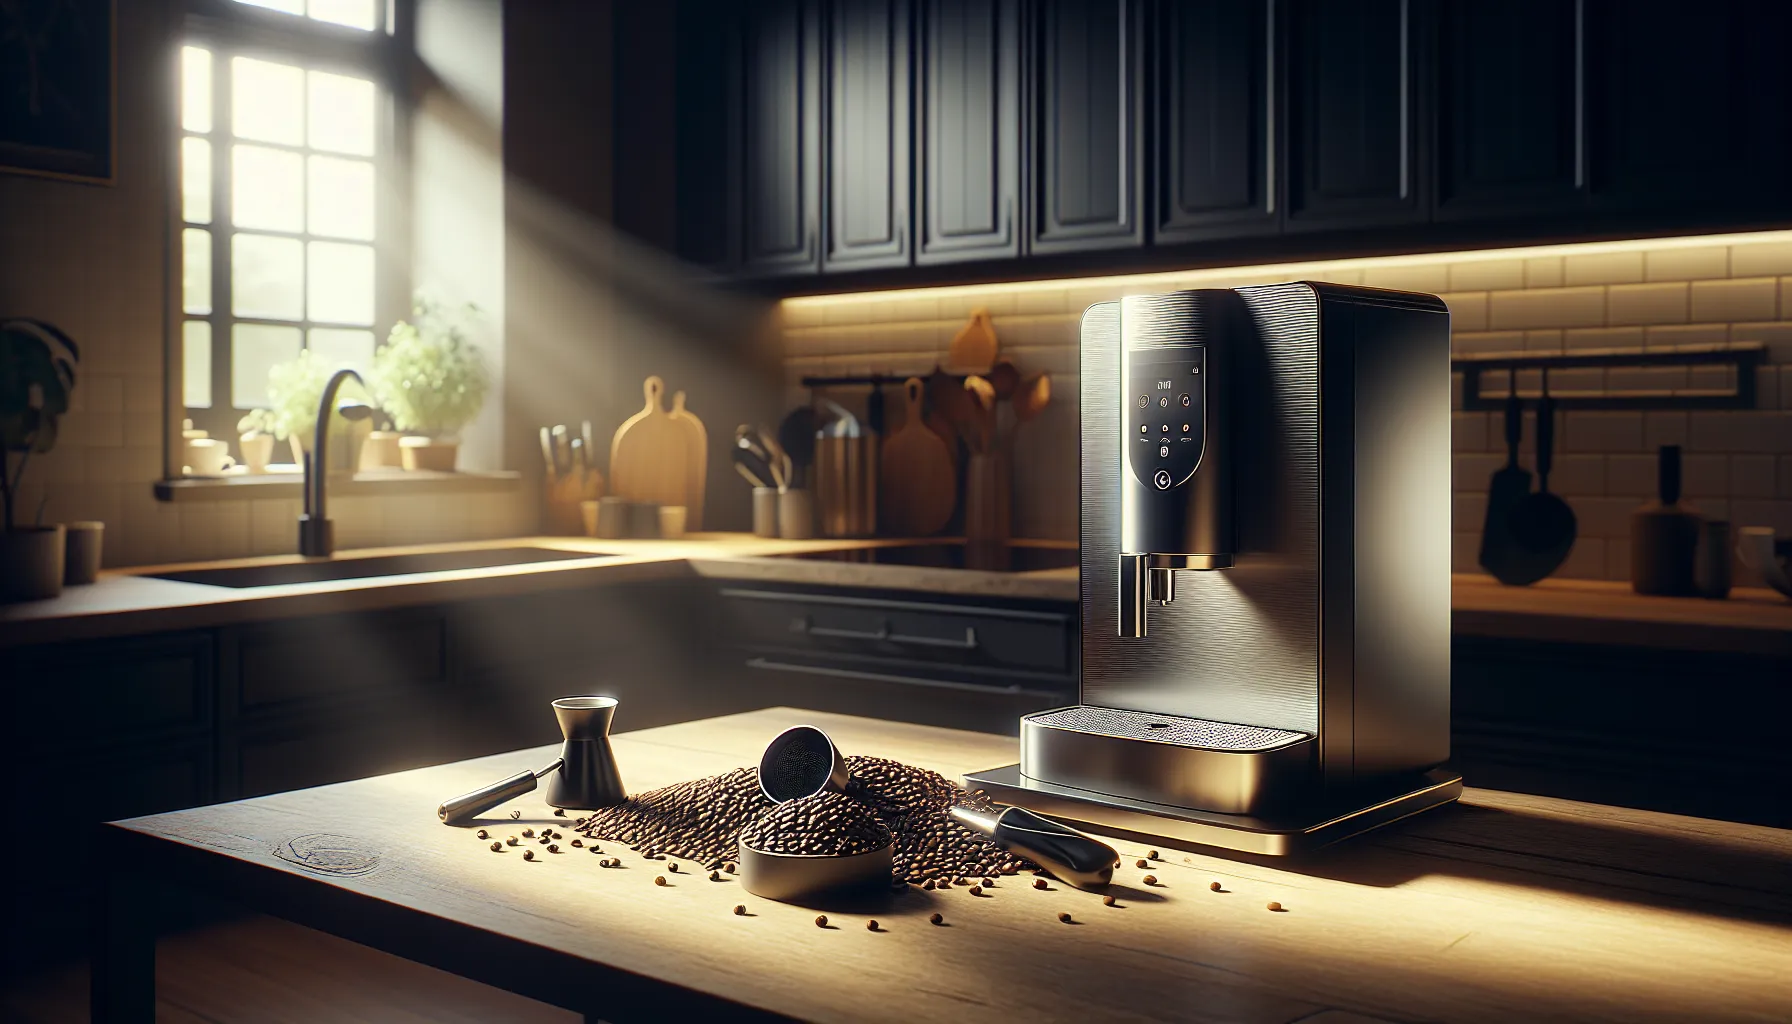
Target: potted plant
x: 295, y: 387
x: 37, y: 376
x: 430, y: 378
x: 255, y: 436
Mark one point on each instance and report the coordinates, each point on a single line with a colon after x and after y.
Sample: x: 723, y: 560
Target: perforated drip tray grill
x: 1181, y: 732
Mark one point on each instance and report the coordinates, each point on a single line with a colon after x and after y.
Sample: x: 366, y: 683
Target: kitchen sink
x: 241, y: 577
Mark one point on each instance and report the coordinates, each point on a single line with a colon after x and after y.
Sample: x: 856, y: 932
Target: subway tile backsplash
x: 1738, y: 464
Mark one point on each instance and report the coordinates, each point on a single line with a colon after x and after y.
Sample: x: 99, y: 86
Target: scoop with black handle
x: 1072, y: 857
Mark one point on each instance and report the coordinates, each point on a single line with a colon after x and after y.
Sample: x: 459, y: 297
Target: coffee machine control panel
x: 1165, y: 399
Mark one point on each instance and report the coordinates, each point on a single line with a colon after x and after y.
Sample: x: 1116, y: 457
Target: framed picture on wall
x: 58, y: 74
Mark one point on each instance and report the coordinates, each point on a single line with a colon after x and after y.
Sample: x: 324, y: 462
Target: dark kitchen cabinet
x: 967, y: 130
x: 1087, y: 175
x: 1510, y: 108
x: 1354, y: 114
x: 1688, y: 102
x: 781, y: 129
x: 868, y: 69
x: 708, y: 142
x: 1213, y: 146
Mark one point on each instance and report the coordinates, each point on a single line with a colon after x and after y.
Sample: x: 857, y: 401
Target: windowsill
x: 366, y: 482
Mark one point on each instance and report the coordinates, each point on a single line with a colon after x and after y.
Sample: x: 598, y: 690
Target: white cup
x: 208, y: 456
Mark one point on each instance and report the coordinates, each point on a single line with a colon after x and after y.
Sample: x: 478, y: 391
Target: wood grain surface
x: 696, y: 461
x: 916, y: 491
x: 650, y: 454
x: 1752, y: 620
x: 1503, y: 908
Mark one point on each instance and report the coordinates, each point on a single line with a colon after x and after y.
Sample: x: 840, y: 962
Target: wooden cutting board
x: 916, y: 486
x: 696, y: 461
x: 651, y: 453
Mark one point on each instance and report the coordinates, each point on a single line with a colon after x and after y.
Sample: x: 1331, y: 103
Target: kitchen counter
x: 1753, y: 620
x: 1501, y: 908
x: 131, y: 601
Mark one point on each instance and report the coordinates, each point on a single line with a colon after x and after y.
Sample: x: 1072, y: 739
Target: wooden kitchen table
x: 1502, y: 908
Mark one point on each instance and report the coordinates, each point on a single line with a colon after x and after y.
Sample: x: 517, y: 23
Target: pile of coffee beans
x: 826, y: 825
x: 702, y: 821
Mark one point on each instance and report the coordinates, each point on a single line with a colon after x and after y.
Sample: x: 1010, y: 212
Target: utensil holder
x: 765, y: 511
x: 845, y: 481
x: 1711, y: 560
x: 796, y: 515
x: 81, y: 561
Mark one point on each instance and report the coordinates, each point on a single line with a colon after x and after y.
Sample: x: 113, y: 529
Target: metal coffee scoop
x: 584, y: 776
x: 801, y: 761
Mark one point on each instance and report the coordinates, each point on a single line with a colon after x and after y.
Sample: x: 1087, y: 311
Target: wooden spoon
x: 984, y: 426
x: 973, y: 348
x: 1005, y: 379
x: 1034, y: 394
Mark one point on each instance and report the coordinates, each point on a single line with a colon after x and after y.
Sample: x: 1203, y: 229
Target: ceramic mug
x: 208, y: 456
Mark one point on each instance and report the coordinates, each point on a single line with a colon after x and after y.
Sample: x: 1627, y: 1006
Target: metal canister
x: 846, y: 485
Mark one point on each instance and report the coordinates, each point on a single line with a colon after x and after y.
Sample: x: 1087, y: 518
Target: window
x: 286, y: 148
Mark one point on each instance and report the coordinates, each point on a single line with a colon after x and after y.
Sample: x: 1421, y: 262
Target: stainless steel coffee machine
x: 1265, y: 562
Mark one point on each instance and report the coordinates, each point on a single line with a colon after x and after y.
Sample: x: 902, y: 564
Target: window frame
x: 229, y: 29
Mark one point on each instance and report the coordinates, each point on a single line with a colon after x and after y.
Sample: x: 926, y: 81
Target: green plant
x: 256, y: 421
x: 429, y: 377
x: 295, y: 387
x: 37, y: 376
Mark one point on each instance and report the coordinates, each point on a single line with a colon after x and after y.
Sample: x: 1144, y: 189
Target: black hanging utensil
x: 1510, y: 485
x: 796, y: 435
x: 874, y: 408
x: 1542, y: 526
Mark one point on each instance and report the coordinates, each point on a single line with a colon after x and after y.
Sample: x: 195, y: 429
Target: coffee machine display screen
x: 1164, y: 414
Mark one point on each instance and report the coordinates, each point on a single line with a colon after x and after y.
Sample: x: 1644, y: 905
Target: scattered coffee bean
x: 871, y: 926
x: 528, y: 833
x: 739, y: 910
x: 672, y: 867
x: 936, y: 919
x: 559, y: 812
x: 1141, y: 863
x: 1108, y: 901
x: 1040, y: 883
x: 945, y: 883
x: 510, y: 842
x: 1152, y: 854
x: 1064, y: 918
x: 976, y: 890
x: 659, y: 879
x: 528, y: 854
x: 821, y: 920
x: 483, y: 834
x: 715, y: 876
x: 730, y: 867
x: 960, y: 881
x: 929, y: 884
x: 543, y: 841
x: 1273, y: 905
x: 497, y: 847
x: 1149, y: 879
x: 577, y: 843
x: 553, y: 847
x: 515, y: 815
x: 1215, y: 886
x: 989, y: 882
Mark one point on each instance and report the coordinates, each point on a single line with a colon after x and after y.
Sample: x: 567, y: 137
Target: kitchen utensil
x: 1758, y: 549
x: 796, y: 514
x: 1711, y: 560
x: 586, y: 435
x: 696, y: 460
x: 82, y: 544
x: 973, y: 348
x: 845, y: 486
x: 954, y: 407
x: 588, y: 517
x: 562, y: 450
x: 1510, y: 485
x: 837, y: 421
x: 1664, y: 535
x: 982, y: 437
x: 801, y: 761
x: 650, y: 455
x: 874, y: 408
x: 1005, y: 378
x: 1034, y: 395
x: 765, y: 511
x: 547, y: 454
x: 1542, y: 526
x: 584, y: 776
x: 1072, y: 857
x: 809, y: 878
x: 776, y: 458
x: 916, y: 483
x: 796, y: 435
x: 674, y: 520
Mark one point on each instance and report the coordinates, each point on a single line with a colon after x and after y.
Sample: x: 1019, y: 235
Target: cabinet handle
x: 769, y: 665
x: 883, y: 633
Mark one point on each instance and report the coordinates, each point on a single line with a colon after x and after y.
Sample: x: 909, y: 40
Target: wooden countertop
x: 1752, y: 620
x: 1499, y: 909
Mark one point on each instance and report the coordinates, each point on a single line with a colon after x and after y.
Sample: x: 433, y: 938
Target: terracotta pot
x: 31, y: 562
x: 429, y: 453
x: 381, y: 450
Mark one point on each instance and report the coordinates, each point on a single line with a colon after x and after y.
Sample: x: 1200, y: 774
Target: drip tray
x: 1281, y: 834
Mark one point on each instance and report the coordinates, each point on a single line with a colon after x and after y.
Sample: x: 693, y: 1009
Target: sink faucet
x: 316, y: 538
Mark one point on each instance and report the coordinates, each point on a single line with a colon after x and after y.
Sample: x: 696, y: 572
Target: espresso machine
x: 1265, y: 562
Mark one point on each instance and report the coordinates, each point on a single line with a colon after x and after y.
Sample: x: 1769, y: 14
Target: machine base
x: 1278, y: 835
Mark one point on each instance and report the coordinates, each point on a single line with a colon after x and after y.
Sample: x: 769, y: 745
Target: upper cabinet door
x: 1353, y: 143
x: 1214, y: 144
x: 1510, y: 108
x: 868, y: 134
x: 780, y: 138
x: 967, y: 130
x: 707, y: 139
x: 1087, y: 176
x: 1687, y: 102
